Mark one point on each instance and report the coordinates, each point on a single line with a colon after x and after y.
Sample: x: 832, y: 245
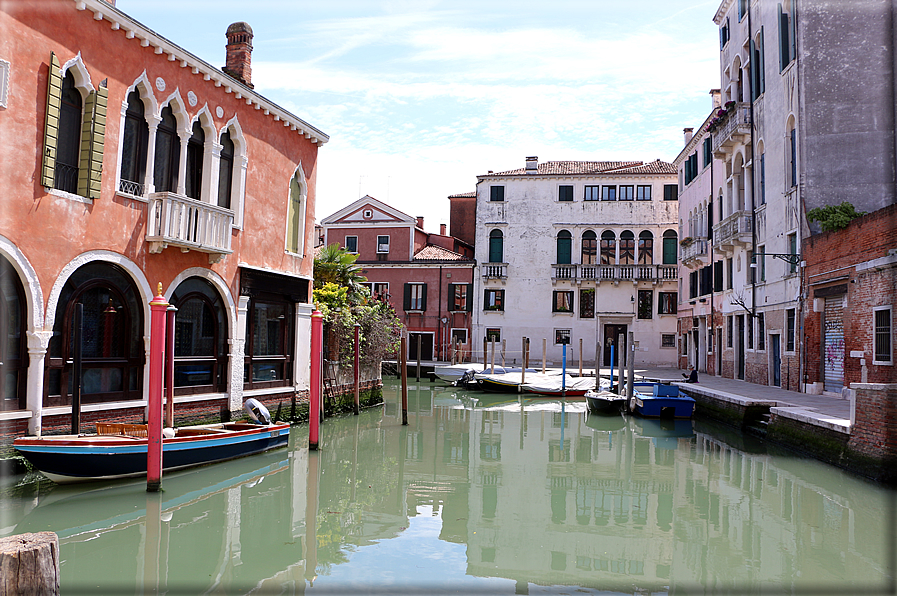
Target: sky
x: 419, y: 97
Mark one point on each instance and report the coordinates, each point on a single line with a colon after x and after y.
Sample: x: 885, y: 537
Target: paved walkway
x: 834, y: 407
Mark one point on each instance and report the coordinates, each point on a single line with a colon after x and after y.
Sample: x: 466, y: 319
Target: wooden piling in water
x: 29, y: 564
x: 403, y: 357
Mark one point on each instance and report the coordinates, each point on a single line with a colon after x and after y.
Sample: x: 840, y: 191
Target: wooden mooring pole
x: 404, y: 364
x: 357, y: 371
x: 29, y: 564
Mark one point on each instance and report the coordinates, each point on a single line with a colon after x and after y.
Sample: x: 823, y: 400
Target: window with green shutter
x: 93, y: 135
x: 295, y: 218
x: 564, y: 247
x: 51, y: 123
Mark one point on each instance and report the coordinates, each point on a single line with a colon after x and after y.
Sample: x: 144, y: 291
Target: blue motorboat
x: 658, y: 400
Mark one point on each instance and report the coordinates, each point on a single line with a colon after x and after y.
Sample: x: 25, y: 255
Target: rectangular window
x: 762, y: 178
x: 729, y: 328
x: 269, y: 346
x: 718, y: 276
x: 587, y: 304
x: 352, y: 244
x: 792, y: 158
x: 792, y: 250
x: 415, y: 297
x: 380, y: 290
x: 729, y: 274
x: 493, y: 334
x: 742, y: 9
x: 561, y: 336
x: 670, y: 192
x: 591, y: 193
x: 708, y: 151
x: 459, y: 297
x: 667, y: 340
x: 786, y: 38
x: 693, y: 284
x: 750, y: 334
x: 608, y: 193
x: 626, y: 193
x: 761, y: 332
x: 645, y: 304
x: 562, y: 301
x: 724, y: 34
x: 459, y: 336
x: 642, y: 193
x: 789, y: 330
x: 494, y: 300
x: 883, y: 335
x: 761, y: 262
x: 382, y: 244
x: 565, y: 193
x: 709, y: 340
x: 666, y: 303
x: 496, y: 193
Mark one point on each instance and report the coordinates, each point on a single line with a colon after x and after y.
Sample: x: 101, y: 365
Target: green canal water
x: 478, y: 494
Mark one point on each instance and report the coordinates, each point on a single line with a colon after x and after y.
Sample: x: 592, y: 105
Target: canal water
x: 478, y: 494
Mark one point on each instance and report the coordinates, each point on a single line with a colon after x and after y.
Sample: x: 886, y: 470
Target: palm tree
x: 333, y: 264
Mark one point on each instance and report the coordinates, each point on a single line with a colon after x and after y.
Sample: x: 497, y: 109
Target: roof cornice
x: 724, y: 7
x: 147, y: 37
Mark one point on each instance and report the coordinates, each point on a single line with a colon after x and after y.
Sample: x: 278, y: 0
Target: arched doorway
x: 200, y: 338
x: 13, y: 349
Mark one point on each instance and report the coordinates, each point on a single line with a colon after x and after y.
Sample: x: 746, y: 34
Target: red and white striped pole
x: 154, y: 399
x: 314, y: 388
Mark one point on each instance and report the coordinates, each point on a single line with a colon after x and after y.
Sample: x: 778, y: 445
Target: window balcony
x: 495, y: 270
x: 695, y: 254
x: 735, y: 129
x: 636, y: 273
x: 563, y: 272
x: 175, y: 220
x: 733, y: 231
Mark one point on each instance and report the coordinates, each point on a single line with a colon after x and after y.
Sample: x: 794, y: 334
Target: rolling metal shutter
x: 833, y: 348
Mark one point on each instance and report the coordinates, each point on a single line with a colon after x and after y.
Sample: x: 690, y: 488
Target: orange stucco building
x: 128, y: 162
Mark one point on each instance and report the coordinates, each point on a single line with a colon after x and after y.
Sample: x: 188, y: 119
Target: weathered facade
x: 427, y: 278
x: 128, y: 164
x: 578, y: 253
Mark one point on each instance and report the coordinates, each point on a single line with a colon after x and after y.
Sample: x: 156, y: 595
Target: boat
x: 657, y: 400
x: 507, y: 382
x: 452, y: 373
x: 605, y: 402
x: 119, y: 450
x: 555, y: 386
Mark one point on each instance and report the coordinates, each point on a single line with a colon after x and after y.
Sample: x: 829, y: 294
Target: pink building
x: 130, y: 163
x: 426, y: 277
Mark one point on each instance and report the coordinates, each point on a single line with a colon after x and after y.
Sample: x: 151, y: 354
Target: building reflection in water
x: 522, y: 491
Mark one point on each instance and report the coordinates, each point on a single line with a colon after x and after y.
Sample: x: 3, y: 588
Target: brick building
x: 426, y: 277
x: 130, y: 163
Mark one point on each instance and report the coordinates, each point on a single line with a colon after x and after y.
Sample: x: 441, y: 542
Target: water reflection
x: 479, y: 493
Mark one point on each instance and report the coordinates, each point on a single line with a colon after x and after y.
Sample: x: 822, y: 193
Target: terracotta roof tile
x: 436, y: 253
x: 464, y: 195
x: 555, y: 168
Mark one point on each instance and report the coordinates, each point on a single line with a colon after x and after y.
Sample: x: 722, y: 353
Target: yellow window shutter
x: 93, y: 134
x: 51, y: 125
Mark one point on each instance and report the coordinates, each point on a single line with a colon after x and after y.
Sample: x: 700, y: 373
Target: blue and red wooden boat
x: 657, y: 400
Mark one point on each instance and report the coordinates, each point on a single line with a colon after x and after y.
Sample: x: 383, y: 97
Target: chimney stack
x: 716, y: 94
x: 420, y: 222
x: 688, y: 134
x: 239, y: 53
x: 532, y: 165
x: 442, y: 229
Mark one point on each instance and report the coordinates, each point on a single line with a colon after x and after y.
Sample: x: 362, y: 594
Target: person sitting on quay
x: 691, y: 376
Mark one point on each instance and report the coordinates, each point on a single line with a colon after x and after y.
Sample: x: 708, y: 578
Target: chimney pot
x: 442, y: 229
x: 716, y: 96
x: 688, y: 134
x: 420, y: 222
x: 239, y: 52
x: 532, y: 164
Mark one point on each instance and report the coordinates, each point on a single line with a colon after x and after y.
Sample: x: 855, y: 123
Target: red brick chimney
x: 442, y: 229
x: 239, y: 53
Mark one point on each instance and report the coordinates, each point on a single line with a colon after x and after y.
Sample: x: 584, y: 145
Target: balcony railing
x: 495, y: 270
x: 175, y: 220
x: 695, y: 253
x: 653, y: 273
x: 563, y: 272
x: 131, y: 188
x: 733, y: 231
x: 734, y: 129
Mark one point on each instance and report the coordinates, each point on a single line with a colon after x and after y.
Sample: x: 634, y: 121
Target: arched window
x: 13, y: 355
x: 200, y: 338
x: 589, y: 248
x: 69, y: 140
x: 564, y: 247
x: 296, y: 216
x: 645, y: 247
x: 496, y: 246
x: 608, y: 248
x: 195, y: 147
x: 133, y: 150
x: 670, y: 247
x: 226, y: 171
x: 627, y: 248
x: 112, y: 347
x: 168, y: 153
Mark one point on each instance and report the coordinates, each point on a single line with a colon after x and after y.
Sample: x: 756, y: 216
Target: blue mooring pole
x: 564, y: 373
x: 597, y: 384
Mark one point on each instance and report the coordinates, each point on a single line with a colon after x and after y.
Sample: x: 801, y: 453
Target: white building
x: 578, y: 252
